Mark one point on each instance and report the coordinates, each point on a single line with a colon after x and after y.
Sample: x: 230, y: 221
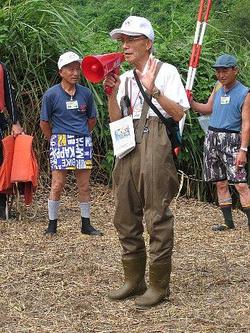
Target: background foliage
x: 33, y: 33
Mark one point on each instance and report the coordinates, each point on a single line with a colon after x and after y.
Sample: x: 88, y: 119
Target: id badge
x: 224, y: 100
x: 71, y: 105
x: 137, y: 113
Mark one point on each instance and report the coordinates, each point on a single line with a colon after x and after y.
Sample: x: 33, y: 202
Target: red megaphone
x: 96, y: 67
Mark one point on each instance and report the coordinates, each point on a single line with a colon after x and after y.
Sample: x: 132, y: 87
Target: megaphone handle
x: 108, y: 90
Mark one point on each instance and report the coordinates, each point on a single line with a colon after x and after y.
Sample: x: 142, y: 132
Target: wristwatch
x: 156, y: 93
x: 243, y: 148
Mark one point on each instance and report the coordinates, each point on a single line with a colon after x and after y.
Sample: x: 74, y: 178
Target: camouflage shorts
x: 220, y: 151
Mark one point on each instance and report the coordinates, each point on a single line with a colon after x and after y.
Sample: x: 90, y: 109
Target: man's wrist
x: 156, y: 93
x: 245, y: 149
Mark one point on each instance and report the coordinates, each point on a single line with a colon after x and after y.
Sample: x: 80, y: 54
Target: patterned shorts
x: 70, y: 152
x: 220, y: 151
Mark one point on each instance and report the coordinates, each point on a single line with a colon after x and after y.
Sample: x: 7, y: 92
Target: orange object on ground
x: 2, y: 102
x: 20, y: 166
x: 6, y: 167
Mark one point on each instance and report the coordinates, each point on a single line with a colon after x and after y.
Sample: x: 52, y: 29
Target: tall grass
x: 33, y: 33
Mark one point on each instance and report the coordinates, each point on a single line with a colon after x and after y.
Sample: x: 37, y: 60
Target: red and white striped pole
x: 204, y: 8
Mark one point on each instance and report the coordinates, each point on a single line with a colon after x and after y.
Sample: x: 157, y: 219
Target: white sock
x: 53, y: 207
x: 85, y: 209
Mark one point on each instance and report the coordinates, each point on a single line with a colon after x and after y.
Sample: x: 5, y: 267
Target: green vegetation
x: 33, y: 33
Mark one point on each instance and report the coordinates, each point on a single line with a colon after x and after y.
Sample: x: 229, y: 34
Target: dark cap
x: 225, y: 61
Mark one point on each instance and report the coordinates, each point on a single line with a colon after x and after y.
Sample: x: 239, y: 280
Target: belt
x: 222, y: 130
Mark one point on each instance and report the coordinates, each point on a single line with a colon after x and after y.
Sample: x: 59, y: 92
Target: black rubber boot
x: 134, y: 281
x: 246, y: 210
x: 52, y: 228
x: 229, y: 224
x: 88, y: 229
x: 2, y: 206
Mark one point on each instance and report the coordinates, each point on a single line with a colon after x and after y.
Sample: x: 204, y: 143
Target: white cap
x: 67, y: 58
x: 134, y: 26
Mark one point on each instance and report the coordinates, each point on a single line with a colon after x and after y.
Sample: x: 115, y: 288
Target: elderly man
x: 227, y: 138
x: 68, y: 116
x: 145, y: 181
x: 8, y: 103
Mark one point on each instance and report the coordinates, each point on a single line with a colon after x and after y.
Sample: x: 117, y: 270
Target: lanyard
x: 131, y: 97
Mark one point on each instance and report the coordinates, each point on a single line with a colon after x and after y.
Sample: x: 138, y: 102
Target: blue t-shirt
x: 227, y: 107
x: 68, y: 115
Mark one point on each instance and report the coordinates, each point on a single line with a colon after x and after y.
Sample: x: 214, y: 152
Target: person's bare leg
x: 244, y: 193
x: 225, y: 202
x: 57, y: 185
x: 82, y: 178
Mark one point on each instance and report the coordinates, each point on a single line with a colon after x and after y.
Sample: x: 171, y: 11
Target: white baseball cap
x: 67, y: 58
x: 134, y: 26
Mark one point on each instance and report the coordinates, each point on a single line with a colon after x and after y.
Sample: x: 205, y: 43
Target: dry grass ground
x: 60, y: 285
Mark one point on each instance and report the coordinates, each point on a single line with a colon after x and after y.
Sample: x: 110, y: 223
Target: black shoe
x: 88, y: 229
x: 52, y: 228
x: 222, y: 227
x: 2, y: 213
x: 3, y: 205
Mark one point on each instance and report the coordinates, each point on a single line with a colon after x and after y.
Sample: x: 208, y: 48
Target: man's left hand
x: 241, y: 159
x: 148, y: 78
x: 16, y: 129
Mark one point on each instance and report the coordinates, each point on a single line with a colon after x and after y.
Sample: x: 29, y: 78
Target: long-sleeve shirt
x: 9, y: 96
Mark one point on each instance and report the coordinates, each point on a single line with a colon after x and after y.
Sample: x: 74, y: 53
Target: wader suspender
x: 145, y: 107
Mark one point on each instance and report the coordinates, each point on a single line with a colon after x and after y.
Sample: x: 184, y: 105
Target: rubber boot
x: 2, y: 206
x: 246, y: 210
x: 52, y: 228
x: 159, y: 278
x: 134, y: 281
x: 228, y: 219
x: 88, y: 229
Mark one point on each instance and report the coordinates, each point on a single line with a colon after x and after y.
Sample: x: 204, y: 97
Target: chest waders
x: 145, y: 181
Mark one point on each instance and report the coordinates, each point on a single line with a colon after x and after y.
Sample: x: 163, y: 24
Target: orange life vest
x: 19, y: 166
x: 6, y: 167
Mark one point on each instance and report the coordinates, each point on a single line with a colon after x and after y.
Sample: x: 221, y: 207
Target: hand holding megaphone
x: 98, y: 67
x: 111, y: 83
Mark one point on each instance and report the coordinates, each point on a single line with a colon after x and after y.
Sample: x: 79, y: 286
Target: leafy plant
x: 33, y: 33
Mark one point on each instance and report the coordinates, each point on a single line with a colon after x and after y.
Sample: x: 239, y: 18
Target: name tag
x: 225, y: 100
x: 137, y: 113
x: 71, y: 105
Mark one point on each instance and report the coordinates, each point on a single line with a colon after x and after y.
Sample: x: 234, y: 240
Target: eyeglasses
x: 131, y: 39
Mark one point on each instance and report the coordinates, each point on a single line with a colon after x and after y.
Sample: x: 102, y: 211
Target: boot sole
x: 49, y: 234
x: 92, y: 234
x: 147, y: 307
x: 130, y: 296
